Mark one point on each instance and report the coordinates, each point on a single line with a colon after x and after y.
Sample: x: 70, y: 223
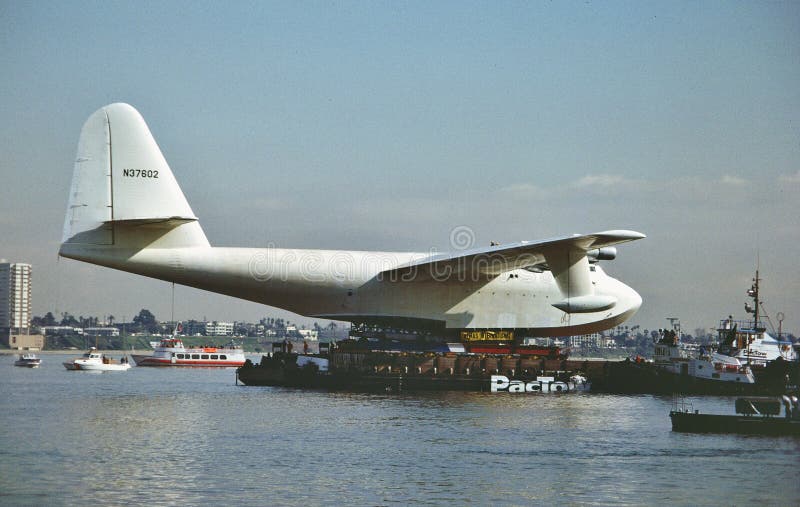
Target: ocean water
x: 175, y: 436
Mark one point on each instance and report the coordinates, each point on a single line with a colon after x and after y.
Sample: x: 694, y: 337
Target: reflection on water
x: 168, y: 436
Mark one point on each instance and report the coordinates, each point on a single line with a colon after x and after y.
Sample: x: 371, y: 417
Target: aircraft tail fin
x: 123, y: 192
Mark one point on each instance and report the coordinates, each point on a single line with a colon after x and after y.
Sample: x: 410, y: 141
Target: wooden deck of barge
x: 388, y: 371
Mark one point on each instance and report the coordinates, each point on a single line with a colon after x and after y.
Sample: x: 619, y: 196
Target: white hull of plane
x: 127, y: 212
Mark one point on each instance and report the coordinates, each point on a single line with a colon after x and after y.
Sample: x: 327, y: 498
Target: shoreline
x: 9, y: 352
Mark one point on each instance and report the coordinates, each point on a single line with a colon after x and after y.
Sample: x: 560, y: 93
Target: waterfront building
x: 15, y: 297
x: 216, y: 328
x: 309, y: 334
x: 101, y: 331
x: 26, y: 341
x: 587, y: 340
x: 61, y: 330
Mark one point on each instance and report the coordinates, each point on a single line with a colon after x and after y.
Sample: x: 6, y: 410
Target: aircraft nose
x: 633, y: 300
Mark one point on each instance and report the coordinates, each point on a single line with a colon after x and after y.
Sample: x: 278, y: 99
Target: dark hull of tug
x: 629, y: 377
x: 750, y: 425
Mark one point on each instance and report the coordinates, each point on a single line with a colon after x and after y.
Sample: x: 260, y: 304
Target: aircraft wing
x: 480, y: 263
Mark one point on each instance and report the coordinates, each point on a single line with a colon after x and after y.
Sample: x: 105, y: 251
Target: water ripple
x: 191, y: 437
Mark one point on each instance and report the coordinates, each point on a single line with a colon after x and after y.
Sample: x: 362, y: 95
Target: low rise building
x: 101, y: 331
x: 60, y: 330
x: 26, y: 341
x: 309, y: 334
x: 216, y: 328
x: 587, y: 340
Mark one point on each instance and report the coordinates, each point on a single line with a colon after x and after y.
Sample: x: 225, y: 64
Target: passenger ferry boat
x: 171, y: 352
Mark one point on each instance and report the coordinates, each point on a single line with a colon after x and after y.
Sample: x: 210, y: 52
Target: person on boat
x: 305, y: 347
x: 727, y: 322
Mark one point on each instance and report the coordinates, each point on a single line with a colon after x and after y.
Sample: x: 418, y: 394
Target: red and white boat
x: 171, y: 352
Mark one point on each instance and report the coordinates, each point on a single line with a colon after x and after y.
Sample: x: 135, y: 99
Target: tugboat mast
x: 753, y: 293
x: 755, y: 299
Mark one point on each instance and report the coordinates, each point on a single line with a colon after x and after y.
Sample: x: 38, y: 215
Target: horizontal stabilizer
x: 168, y: 222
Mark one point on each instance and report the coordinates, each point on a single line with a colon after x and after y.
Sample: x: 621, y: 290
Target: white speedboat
x: 172, y: 352
x: 28, y: 360
x: 93, y: 360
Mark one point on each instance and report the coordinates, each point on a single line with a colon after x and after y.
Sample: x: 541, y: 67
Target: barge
x: 413, y: 371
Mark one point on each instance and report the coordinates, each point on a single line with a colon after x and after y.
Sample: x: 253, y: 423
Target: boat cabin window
x: 214, y: 356
x: 195, y: 356
x: 204, y: 356
x: 223, y: 356
x: 180, y: 356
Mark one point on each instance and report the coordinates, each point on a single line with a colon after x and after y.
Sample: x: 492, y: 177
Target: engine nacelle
x: 607, y: 253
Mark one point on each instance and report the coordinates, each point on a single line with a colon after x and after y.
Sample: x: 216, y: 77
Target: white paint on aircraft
x: 126, y: 211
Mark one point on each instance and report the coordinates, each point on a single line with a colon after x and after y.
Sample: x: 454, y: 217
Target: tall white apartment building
x: 15, y: 297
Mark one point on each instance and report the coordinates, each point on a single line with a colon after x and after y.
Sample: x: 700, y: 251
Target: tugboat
x: 748, y: 340
x: 681, y: 368
x: 754, y: 416
x: 774, y: 361
x: 28, y: 360
x: 701, y: 370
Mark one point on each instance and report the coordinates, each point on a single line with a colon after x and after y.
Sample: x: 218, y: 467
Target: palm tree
x: 332, y: 326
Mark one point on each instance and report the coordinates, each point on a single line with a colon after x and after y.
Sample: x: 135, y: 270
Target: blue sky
x: 386, y: 125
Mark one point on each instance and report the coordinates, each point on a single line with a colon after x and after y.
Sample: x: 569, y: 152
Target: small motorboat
x: 28, y: 360
x: 93, y: 360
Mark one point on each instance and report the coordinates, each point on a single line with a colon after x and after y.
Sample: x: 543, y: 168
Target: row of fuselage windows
x: 201, y: 356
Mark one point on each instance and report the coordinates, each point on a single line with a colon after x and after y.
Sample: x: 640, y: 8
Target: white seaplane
x: 127, y: 212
